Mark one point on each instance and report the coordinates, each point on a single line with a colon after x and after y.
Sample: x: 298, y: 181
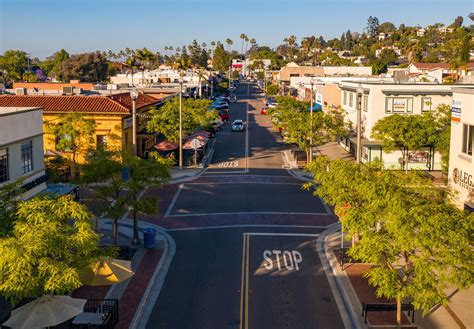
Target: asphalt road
x: 253, y: 275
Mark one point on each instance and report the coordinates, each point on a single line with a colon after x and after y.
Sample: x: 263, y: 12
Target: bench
x: 386, y: 307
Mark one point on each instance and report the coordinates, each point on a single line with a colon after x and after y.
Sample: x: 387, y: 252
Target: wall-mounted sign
x: 319, y: 98
x: 456, y: 111
x: 463, y: 179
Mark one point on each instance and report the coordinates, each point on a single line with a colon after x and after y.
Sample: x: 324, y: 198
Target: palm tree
x: 166, y: 50
x: 131, y: 66
x: 213, y: 44
x: 229, y: 43
x: 253, y: 42
x: 204, y: 45
x: 246, y: 43
x: 242, y: 36
x: 144, y: 59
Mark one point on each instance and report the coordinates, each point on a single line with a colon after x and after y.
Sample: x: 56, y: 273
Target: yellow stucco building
x: 111, y: 114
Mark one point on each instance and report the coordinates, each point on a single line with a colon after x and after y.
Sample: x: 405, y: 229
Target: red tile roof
x: 432, y: 66
x: 118, y: 103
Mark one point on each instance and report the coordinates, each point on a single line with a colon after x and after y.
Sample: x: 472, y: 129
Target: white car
x: 238, y: 125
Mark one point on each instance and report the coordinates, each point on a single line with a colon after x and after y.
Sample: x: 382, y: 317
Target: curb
x: 147, y: 303
x: 288, y: 167
x: 328, y: 261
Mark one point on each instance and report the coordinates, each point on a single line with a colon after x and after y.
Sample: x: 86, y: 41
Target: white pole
x: 134, y: 128
x: 180, y: 125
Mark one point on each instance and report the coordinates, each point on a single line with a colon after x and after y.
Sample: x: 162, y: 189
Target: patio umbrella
x: 46, y: 311
x: 107, y: 271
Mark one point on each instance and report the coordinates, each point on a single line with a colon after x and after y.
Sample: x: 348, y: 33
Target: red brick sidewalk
x: 136, y: 287
x: 134, y: 291
x: 367, y: 294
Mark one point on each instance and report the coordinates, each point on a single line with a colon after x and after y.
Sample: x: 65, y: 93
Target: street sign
x: 195, y: 143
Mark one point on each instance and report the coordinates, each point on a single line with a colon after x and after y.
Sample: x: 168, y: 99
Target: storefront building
x: 461, y: 166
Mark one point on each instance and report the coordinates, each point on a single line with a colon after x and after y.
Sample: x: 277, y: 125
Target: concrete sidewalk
x: 353, y: 289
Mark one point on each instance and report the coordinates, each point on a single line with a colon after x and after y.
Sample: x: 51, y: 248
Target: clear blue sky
x: 41, y: 27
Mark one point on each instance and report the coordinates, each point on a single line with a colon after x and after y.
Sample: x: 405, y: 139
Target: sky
x: 40, y: 27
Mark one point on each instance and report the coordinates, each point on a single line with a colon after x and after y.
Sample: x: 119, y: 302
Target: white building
x: 461, y: 165
x: 21, y: 148
x: 381, y: 99
x: 420, y: 32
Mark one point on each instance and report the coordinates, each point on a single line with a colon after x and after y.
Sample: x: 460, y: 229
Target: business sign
x: 456, y: 111
x: 127, y: 123
x: 319, y: 99
x: 463, y: 179
x: 399, y: 104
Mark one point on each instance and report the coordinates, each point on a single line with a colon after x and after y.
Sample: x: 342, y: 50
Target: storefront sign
x: 463, y: 179
x: 456, y: 111
x: 399, y: 105
x: 127, y: 123
x: 319, y: 99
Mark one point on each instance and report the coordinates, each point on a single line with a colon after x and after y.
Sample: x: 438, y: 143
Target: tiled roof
x: 119, y: 103
x: 432, y: 66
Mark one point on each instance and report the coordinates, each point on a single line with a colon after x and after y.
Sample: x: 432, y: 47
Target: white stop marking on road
x: 289, y: 259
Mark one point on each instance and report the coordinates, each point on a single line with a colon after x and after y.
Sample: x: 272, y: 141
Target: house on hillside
x: 438, y: 72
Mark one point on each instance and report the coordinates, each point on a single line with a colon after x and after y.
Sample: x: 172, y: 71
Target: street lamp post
x: 311, y: 123
x: 181, y: 124
x: 360, y: 92
x: 134, y: 97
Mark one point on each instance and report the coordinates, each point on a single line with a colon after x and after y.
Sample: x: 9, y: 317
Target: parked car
x: 222, y: 99
x: 217, y: 125
x: 224, y: 115
x: 238, y: 125
x: 220, y: 105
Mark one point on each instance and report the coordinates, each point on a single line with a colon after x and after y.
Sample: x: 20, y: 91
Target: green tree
x: 72, y: 133
x: 9, y: 200
x: 144, y: 59
x: 457, y: 22
x: 373, y: 26
x: 195, y: 112
x: 14, y: 63
x: 406, y: 132
x: 88, y: 67
x: 272, y: 89
x: 220, y: 59
x: 387, y: 27
x: 418, y: 243
x: 51, y: 243
x: 103, y: 175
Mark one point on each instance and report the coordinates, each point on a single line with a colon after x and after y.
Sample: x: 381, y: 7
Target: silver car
x: 238, y: 125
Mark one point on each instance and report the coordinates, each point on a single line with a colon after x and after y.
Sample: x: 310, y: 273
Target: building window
x: 399, y: 105
x: 294, y: 75
x: 344, y: 101
x: 467, y: 139
x: 351, y: 99
x: 3, y: 165
x: 425, y: 104
x: 26, y: 157
x: 101, y: 142
x: 365, y: 103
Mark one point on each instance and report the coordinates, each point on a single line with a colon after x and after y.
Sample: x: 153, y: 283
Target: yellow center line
x: 247, y: 286
x: 242, y: 283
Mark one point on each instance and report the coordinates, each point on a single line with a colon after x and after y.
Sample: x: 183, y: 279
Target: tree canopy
x: 196, y: 114
x: 51, y: 243
x: 417, y: 242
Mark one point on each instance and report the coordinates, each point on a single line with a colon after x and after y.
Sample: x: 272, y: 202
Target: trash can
x: 149, y: 238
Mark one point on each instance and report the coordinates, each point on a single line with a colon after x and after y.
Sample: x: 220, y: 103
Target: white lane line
x: 216, y: 173
x: 247, y: 140
x: 246, y: 225
x: 280, y: 234
x: 175, y: 198
x: 259, y: 183
x: 250, y: 213
x: 253, y: 176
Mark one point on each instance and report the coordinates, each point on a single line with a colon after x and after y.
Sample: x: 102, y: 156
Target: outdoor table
x: 89, y: 318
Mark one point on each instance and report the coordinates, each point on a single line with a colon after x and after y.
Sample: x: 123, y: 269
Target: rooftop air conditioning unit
x: 20, y: 91
x: 68, y: 90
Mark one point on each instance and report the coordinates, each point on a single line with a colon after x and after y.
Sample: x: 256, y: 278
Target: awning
x: 316, y: 108
x: 188, y: 144
x: 166, y: 146
x: 52, y: 153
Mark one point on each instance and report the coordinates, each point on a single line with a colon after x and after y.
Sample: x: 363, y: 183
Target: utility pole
x: 311, y: 124
x: 134, y: 97
x: 181, y: 123
x: 360, y: 92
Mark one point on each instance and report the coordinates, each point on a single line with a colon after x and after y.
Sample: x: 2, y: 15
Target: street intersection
x: 245, y: 234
